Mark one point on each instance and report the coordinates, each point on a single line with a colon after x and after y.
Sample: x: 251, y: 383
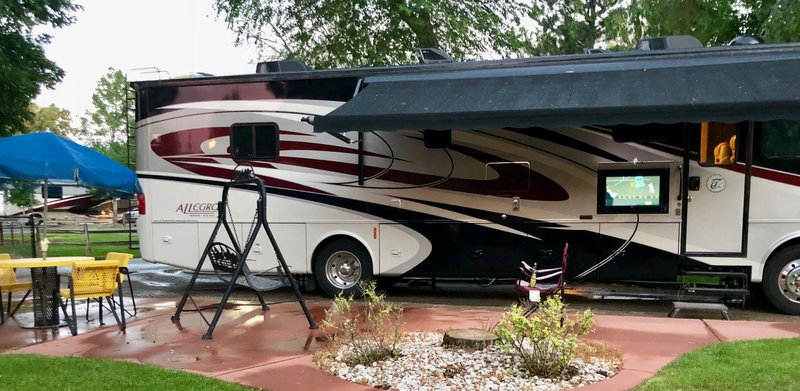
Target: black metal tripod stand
x: 244, y: 179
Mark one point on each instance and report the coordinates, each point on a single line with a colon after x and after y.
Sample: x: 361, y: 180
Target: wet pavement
x: 274, y: 349
x: 161, y: 281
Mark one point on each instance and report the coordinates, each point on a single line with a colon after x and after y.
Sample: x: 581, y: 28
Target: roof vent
x: 192, y: 75
x: 746, y: 40
x: 281, y: 66
x: 671, y: 42
x: 432, y: 56
x: 594, y: 51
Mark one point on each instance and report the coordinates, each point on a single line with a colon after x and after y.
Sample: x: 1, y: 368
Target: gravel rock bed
x: 425, y: 365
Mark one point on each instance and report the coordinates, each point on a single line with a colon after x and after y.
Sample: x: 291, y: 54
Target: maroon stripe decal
x: 770, y: 175
x: 84, y: 200
x: 189, y: 141
x: 186, y: 142
x: 303, y: 146
x: 291, y: 133
x: 223, y: 173
x: 758, y: 172
x: 327, y: 165
x: 257, y: 164
x: 192, y: 159
x: 541, y: 188
x: 214, y: 161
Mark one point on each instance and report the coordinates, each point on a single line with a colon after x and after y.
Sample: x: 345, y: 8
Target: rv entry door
x: 717, y: 193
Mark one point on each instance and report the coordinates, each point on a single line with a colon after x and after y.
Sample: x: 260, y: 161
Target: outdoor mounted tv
x: 632, y: 190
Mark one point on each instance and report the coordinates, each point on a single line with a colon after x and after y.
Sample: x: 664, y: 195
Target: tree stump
x: 469, y: 338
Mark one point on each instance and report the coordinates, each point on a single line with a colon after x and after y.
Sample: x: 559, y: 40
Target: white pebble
x: 424, y: 364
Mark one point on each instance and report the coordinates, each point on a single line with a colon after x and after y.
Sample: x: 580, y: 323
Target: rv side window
x: 437, y: 138
x: 718, y: 144
x: 777, y: 145
x: 257, y: 141
x: 507, y: 178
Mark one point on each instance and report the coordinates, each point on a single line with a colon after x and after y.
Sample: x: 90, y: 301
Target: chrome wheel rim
x: 789, y: 281
x: 343, y: 269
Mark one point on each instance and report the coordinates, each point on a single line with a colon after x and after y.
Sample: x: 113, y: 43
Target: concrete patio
x: 274, y: 349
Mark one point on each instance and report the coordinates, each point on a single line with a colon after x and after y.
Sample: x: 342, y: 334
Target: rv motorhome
x: 649, y: 163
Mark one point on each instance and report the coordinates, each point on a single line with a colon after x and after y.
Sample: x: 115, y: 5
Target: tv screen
x: 633, y: 191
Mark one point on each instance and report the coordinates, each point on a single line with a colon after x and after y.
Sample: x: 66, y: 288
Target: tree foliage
x: 104, y: 126
x: 24, y: 68
x: 51, y: 118
x: 569, y: 26
x: 773, y: 20
x: 547, y: 341
x: 332, y: 33
x: 20, y: 194
x: 713, y: 22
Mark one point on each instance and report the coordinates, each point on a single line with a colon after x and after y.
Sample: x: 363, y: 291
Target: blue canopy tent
x: 52, y: 159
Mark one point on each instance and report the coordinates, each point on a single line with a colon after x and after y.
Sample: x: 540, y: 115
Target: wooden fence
x: 21, y: 235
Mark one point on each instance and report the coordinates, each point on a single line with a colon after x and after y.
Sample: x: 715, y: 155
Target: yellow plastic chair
x: 93, y: 280
x: 123, y: 259
x: 9, y: 283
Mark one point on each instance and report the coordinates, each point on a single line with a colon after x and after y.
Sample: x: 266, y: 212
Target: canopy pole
x: 44, y: 226
x: 44, y: 194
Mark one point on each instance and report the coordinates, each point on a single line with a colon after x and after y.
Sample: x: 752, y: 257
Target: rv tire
x: 781, y: 281
x: 340, y: 266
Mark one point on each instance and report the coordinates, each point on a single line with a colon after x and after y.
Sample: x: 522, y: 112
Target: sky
x: 177, y: 36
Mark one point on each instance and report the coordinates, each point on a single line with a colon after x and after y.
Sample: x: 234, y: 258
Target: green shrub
x: 547, y: 340
x: 369, y: 332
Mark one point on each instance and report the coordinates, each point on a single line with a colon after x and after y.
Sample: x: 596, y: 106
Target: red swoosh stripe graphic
x: 223, y: 173
x: 174, y: 147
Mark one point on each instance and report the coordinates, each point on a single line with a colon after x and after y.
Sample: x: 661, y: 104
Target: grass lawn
x: 98, y: 251
x: 64, y: 244
x: 769, y: 364
x: 31, y: 372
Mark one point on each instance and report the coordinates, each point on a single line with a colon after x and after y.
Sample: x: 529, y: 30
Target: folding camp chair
x: 547, y: 282
x: 10, y: 284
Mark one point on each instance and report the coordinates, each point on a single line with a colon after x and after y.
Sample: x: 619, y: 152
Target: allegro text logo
x: 197, y: 208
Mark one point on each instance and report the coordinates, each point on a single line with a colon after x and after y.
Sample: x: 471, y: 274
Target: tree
x: 569, y: 26
x: 713, y: 22
x: 773, y: 20
x: 335, y: 33
x: 52, y: 118
x: 20, y: 194
x: 24, y: 68
x: 104, y: 127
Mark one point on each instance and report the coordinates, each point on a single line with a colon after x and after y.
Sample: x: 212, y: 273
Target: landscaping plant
x: 369, y: 332
x: 546, y: 341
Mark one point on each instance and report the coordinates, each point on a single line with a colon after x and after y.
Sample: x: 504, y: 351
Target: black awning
x: 730, y: 84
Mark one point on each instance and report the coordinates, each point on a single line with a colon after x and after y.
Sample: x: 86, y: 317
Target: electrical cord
x: 613, y: 255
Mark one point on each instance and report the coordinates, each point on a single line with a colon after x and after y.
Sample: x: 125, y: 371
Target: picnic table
x: 44, y: 276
